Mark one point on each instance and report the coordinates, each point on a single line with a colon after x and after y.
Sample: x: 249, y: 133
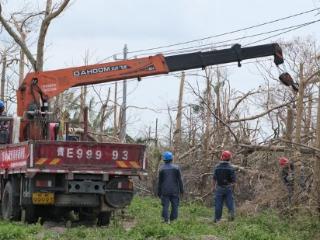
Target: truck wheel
x: 10, y: 204
x: 104, y: 218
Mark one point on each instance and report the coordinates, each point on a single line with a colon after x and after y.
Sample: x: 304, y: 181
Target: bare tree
x: 3, y: 74
x: 115, y: 110
x: 8, y: 59
x: 178, y: 130
x: 51, y: 11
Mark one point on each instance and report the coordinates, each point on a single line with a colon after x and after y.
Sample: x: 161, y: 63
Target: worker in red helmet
x: 287, y: 175
x: 224, y: 178
x: 283, y: 161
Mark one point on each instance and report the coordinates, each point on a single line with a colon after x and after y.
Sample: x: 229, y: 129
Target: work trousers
x: 223, y: 194
x: 165, y: 201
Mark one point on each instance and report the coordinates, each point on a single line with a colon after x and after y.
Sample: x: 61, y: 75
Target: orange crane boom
x: 47, y: 84
x: 38, y: 87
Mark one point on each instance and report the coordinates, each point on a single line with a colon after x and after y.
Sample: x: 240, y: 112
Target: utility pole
x: 156, y: 134
x: 3, y: 75
x: 115, y: 111
x: 123, y: 129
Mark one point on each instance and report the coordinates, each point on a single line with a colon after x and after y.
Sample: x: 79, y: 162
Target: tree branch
x: 240, y: 100
x: 305, y: 149
x: 17, y: 39
x: 261, y: 114
x: 44, y: 28
x: 310, y: 79
x: 300, y: 144
x: 219, y: 119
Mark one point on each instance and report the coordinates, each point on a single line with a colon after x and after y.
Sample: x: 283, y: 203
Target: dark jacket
x: 224, y: 174
x: 170, y: 181
x: 4, y: 129
x: 287, y: 174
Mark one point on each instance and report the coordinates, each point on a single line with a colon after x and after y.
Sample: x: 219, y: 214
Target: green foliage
x: 195, y: 222
x: 17, y: 231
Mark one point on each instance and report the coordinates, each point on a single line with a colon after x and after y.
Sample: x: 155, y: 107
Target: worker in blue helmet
x: 170, y: 187
x: 2, y: 113
x: 4, y: 125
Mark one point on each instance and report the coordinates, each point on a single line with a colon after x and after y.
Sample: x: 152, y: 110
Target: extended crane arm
x: 38, y: 87
x: 233, y: 54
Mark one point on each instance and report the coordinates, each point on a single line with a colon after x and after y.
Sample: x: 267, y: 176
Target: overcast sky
x: 103, y: 27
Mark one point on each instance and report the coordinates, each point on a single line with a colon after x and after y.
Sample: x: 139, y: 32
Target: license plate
x: 43, y: 198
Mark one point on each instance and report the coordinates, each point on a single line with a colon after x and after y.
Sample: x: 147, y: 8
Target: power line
x: 290, y: 30
x: 227, y: 33
x: 211, y: 46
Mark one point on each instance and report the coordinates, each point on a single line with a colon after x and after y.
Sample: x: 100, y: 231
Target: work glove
x: 289, y: 178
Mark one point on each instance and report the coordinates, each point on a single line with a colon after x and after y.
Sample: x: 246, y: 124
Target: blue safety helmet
x: 167, y: 156
x: 1, y: 104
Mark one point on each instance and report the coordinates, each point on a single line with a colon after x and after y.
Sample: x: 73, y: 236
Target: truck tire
x: 104, y: 218
x: 10, y: 204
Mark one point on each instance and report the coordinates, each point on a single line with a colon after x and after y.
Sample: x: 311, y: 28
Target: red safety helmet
x: 226, y: 155
x: 283, y: 161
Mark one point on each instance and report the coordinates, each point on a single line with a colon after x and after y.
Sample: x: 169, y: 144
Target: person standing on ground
x: 2, y: 112
x: 4, y: 125
x: 170, y: 186
x: 224, y: 178
x: 287, y: 175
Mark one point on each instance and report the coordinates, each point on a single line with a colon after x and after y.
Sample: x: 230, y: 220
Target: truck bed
x: 68, y: 156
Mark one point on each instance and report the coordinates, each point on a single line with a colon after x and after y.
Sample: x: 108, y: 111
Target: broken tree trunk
x: 316, y: 169
x: 177, y: 132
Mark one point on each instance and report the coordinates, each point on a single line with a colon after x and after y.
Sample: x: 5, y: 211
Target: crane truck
x: 41, y: 175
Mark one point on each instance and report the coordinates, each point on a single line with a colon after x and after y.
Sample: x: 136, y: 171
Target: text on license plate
x: 42, y: 198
